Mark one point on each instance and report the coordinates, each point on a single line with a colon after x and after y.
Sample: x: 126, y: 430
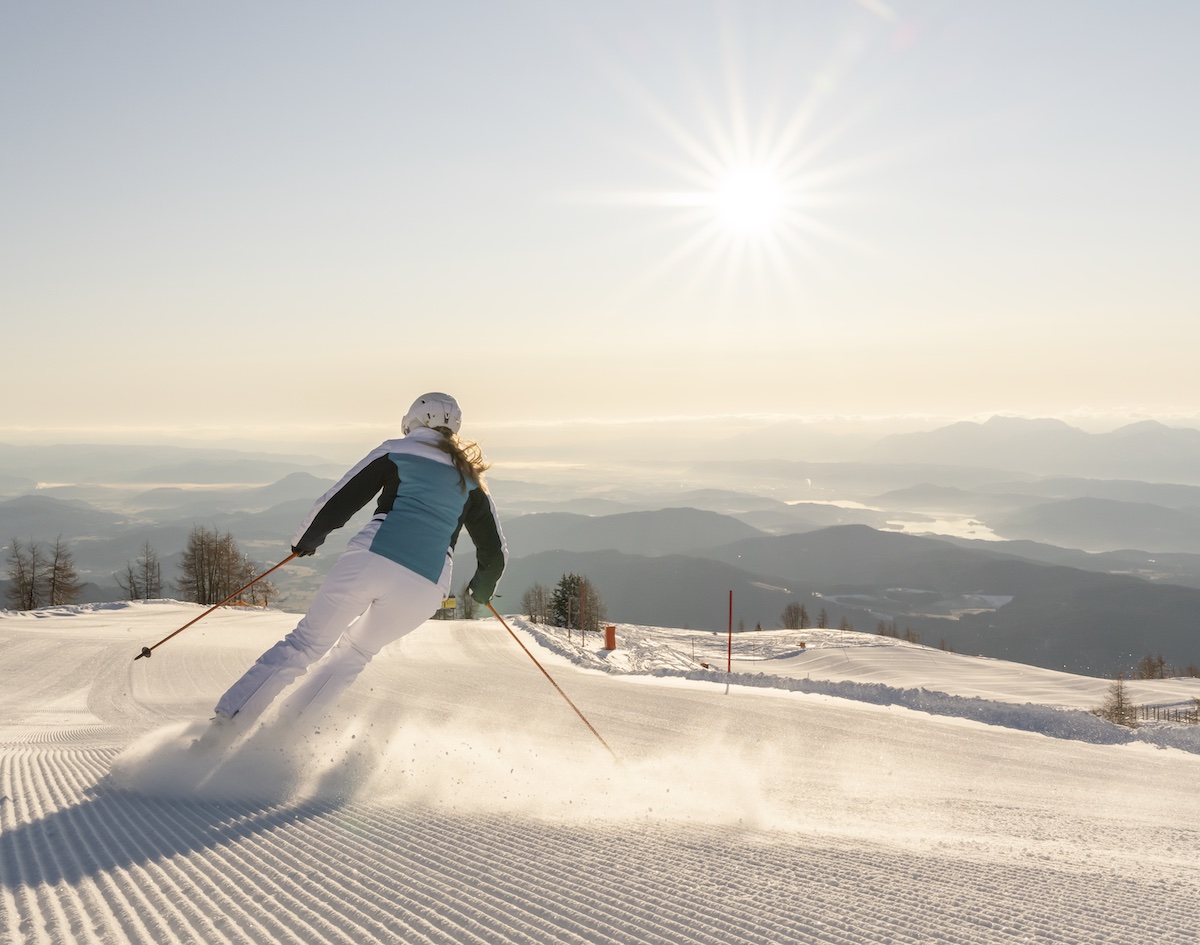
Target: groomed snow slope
x: 798, y: 801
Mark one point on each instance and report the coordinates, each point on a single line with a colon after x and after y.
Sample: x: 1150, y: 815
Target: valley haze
x: 1026, y: 539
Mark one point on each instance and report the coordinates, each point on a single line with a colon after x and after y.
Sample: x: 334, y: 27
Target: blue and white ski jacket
x: 423, y: 505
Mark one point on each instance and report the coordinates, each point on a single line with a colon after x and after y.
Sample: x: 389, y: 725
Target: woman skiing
x: 392, y: 576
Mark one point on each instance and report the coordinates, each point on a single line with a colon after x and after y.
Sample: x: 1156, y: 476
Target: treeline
x: 573, y: 604
x: 211, y: 569
x: 1120, y: 709
x: 795, y: 616
x: 142, y: 579
x: 1154, y: 666
x: 40, y: 575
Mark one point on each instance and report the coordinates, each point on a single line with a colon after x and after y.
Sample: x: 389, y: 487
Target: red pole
x: 729, y: 655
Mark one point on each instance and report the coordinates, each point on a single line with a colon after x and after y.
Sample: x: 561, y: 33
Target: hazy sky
x: 287, y: 219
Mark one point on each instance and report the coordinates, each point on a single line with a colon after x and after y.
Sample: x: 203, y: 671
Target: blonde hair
x: 466, y: 455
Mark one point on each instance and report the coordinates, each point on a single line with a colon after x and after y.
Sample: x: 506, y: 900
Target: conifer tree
x: 575, y: 594
x: 1118, y: 708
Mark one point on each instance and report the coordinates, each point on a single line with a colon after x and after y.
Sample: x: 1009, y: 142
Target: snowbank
x: 642, y: 653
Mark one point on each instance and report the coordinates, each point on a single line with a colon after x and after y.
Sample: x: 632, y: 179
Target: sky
x: 278, y: 223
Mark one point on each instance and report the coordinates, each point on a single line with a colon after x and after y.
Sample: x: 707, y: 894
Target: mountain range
x: 973, y: 600
x: 1147, y: 450
x: 1077, y: 571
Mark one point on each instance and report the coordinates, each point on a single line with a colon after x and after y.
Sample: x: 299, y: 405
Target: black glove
x: 303, y: 552
x: 480, y: 597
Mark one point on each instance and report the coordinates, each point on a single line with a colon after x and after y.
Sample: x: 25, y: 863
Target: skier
x: 392, y: 576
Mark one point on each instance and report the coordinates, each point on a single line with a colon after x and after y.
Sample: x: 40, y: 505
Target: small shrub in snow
x: 1118, y: 708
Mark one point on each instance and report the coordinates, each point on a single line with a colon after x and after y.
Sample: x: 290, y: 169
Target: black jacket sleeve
x: 334, y: 509
x: 491, y: 551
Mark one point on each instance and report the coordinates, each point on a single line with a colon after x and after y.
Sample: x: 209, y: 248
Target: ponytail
x: 466, y: 455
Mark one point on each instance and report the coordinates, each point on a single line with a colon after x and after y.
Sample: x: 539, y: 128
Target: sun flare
x: 749, y: 200
x: 749, y: 171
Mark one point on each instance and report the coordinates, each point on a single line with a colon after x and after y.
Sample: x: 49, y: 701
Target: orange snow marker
x: 582, y: 717
x: 149, y: 650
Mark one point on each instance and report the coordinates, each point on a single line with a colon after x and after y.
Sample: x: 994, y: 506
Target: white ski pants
x: 388, y: 601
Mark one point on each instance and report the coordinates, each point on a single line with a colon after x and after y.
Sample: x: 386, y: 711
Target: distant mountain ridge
x: 1005, y: 606
x: 294, y: 486
x: 652, y: 533
x: 1094, y: 524
x: 94, y: 463
x: 1147, y: 450
x: 1167, y: 494
x: 44, y: 518
x: 669, y: 552
x: 667, y: 590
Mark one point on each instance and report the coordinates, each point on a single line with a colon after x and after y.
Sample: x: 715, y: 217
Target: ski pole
x: 148, y: 650
x: 583, y: 718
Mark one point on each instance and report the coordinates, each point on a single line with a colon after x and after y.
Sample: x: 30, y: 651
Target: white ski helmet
x: 433, y: 410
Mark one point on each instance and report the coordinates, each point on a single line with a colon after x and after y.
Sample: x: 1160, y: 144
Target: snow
x: 863, y: 667
x: 854, y: 789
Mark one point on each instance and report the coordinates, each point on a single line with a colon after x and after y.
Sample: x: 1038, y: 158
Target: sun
x: 749, y: 200
x: 748, y: 169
